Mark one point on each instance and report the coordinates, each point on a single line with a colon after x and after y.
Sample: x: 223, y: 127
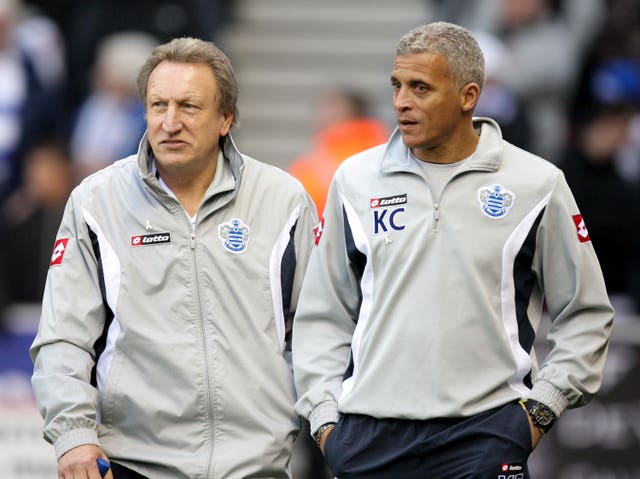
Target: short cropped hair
x: 193, y: 50
x: 454, y: 43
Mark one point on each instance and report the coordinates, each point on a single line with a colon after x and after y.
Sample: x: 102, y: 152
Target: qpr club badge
x: 495, y: 201
x: 234, y: 235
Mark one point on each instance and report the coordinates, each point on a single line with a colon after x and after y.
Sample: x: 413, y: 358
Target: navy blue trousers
x: 495, y: 444
x: 121, y: 472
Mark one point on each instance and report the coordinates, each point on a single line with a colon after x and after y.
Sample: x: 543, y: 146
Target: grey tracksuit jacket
x: 168, y: 345
x: 418, y: 307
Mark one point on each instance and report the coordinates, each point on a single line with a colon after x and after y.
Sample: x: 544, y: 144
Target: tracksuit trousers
x: 494, y: 444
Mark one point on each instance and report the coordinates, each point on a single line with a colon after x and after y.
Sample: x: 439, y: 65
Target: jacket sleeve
x: 304, y: 242
x: 72, y: 320
x: 303, y: 239
x: 577, y: 303
x: 325, y: 320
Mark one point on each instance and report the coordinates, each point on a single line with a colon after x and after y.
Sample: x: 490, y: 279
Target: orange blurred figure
x: 343, y: 129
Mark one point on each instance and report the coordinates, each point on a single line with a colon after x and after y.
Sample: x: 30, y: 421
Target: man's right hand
x: 80, y: 463
x: 324, y: 436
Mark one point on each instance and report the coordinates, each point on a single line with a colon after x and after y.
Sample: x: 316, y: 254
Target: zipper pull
x: 192, y: 243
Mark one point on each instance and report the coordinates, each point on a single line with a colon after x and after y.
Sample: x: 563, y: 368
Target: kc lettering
x: 385, y: 219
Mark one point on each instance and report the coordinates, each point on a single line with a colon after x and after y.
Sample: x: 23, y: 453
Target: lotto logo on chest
x: 152, y: 239
x: 387, y: 215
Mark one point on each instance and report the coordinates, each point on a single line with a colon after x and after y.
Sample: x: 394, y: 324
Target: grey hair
x: 454, y: 43
x: 193, y: 50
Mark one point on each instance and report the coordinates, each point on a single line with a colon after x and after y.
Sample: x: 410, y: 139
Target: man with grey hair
x: 164, y: 342
x: 413, y: 340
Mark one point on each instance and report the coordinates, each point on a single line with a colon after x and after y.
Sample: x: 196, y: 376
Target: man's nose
x: 401, y: 99
x: 171, y: 122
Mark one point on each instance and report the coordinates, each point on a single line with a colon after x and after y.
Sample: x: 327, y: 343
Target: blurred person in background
x: 343, y: 127
x: 111, y: 120
x: 164, y: 340
x: 31, y: 92
x: 86, y: 22
x: 546, y: 42
x: 608, y: 197
x: 30, y: 220
x: 413, y: 343
x: 498, y: 101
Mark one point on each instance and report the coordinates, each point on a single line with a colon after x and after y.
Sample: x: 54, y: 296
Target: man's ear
x: 226, y: 125
x: 469, y: 96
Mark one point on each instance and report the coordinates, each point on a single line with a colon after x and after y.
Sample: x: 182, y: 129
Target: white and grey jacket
x: 168, y: 345
x: 417, y: 307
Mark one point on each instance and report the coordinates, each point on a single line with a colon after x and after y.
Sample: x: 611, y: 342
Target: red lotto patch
x: 581, y: 227
x: 59, y: 248
x: 318, y: 231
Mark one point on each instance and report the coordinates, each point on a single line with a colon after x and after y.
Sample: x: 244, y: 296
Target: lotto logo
x: 141, y: 240
x: 510, y: 471
x: 581, y: 228
x: 59, y: 248
x: 388, y: 201
x: 317, y: 231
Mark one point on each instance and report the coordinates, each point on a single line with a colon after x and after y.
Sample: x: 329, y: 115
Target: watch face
x: 542, y: 414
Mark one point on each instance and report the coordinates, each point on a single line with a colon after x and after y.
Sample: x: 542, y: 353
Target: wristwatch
x: 541, y: 415
x: 321, y: 429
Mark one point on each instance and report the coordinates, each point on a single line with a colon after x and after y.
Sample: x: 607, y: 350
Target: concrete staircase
x: 285, y: 52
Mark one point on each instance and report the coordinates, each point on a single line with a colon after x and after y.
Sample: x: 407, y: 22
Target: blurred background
x: 563, y: 81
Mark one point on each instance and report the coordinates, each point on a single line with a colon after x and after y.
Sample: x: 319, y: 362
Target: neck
x: 463, y: 145
x: 189, y: 187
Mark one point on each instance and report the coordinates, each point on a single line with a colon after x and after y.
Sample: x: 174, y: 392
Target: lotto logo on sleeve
x: 59, y: 248
x: 317, y: 231
x: 581, y: 227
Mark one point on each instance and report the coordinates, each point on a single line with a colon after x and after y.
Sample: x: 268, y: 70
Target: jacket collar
x: 227, y: 178
x: 487, y: 157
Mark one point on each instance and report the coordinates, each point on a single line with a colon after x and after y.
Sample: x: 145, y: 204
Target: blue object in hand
x: 103, y: 466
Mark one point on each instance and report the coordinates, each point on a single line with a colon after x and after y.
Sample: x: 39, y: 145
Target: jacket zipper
x: 192, y: 246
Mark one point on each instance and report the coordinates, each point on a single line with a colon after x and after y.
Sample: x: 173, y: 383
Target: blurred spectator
x: 29, y: 223
x: 607, y: 123
x: 86, y: 22
x: 611, y: 72
x: 546, y: 41
x: 343, y: 128
x: 498, y: 101
x: 609, y: 203
x: 31, y: 101
x: 110, y: 121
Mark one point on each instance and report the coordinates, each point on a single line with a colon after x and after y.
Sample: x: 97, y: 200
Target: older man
x: 164, y: 336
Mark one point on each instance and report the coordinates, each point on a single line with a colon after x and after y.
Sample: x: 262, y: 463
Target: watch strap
x: 321, y: 429
x: 541, y: 415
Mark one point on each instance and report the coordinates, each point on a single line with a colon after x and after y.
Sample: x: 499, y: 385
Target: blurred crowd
x: 563, y: 81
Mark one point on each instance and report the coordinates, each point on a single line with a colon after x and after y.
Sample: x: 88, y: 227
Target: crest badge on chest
x: 234, y: 235
x: 495, y: 201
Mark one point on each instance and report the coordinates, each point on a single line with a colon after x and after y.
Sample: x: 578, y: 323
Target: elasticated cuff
x: 75, y: 438
x: 323, y: 413
x: 548, y: 394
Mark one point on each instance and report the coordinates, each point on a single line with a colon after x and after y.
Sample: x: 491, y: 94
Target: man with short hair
x: 413, y: 340
x: 164, y: 339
